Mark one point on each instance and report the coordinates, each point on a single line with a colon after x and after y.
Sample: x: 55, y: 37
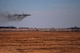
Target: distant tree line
x: 7, y: 27
x: 76, y: 29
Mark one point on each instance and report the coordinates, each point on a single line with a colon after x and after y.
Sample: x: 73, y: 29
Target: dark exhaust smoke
x: 6, y: 17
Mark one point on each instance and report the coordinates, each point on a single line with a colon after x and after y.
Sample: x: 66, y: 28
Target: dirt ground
x: 39, y: 42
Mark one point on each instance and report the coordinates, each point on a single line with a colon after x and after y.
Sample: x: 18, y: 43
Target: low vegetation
x: 39, y: 42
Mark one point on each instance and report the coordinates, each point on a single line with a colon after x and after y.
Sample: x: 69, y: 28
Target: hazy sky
x: 44, y: 13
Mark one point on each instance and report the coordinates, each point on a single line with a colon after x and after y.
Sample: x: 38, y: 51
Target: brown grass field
x: 39, y: 42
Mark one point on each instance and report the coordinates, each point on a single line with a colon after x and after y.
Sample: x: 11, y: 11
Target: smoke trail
x: 3, y: 18
x: 6, y: 17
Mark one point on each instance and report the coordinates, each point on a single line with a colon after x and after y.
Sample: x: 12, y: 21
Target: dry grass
x: 39, y: 42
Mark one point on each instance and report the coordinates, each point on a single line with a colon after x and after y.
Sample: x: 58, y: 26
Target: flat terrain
x: 39, y: 42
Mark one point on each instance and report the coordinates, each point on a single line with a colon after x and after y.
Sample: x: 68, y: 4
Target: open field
x: 39, y: 42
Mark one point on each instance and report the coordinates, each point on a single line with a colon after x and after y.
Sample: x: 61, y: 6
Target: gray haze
x: 7, y: 17
x: 44, y: 13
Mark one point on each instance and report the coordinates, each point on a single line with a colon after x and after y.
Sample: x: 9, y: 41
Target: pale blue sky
x: 44, y: 13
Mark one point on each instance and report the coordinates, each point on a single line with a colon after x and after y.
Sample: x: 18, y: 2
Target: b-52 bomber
x: 21, y: 14
x: 17, y: 16
x: 13, y: 17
